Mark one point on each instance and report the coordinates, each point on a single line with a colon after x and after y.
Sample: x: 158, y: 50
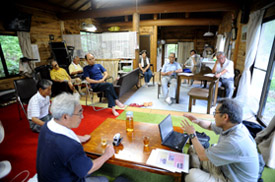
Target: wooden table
x: 196, y: 77
x: 130, y: 153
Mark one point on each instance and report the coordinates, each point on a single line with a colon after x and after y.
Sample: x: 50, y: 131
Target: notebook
x: 171, y: 138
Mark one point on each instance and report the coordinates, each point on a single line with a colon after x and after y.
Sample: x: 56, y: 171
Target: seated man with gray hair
x: 233, y: 158
x: 60, y: 155
x: 224, y: 69
x: 38, y: 107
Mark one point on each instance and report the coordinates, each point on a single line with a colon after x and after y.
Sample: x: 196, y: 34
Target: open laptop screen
x: 166, y: 127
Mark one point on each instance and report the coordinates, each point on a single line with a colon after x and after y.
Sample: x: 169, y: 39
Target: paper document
x: 209, y: 74
x: 171, y: 161
x: 186, y: 74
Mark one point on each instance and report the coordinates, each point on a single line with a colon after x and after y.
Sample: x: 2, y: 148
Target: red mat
x: 20, y: 143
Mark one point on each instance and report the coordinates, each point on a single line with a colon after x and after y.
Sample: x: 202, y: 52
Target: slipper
x: 135, y: 105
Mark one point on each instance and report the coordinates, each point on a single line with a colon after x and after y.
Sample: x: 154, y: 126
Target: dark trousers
x: 109, y: 92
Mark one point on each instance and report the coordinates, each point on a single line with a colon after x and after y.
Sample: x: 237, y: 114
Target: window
x: 10, y: 54
x: 263, y: 78
x: 170, y: 48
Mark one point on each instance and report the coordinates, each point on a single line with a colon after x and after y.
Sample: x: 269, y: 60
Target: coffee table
x: 130, y: 153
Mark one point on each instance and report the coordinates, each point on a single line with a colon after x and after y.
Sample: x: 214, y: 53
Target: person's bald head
x: 90, y: 59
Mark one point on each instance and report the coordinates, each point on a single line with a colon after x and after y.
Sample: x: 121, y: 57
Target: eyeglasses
x: 55, y: 65
x: 214, y: 113
x: 80, y: 113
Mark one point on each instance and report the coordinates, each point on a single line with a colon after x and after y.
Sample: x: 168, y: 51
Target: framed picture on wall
x: 244, y: 33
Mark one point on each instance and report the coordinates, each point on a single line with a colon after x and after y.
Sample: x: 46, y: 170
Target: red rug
x: 20, y: 143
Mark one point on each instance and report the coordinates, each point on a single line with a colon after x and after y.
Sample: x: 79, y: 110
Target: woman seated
x: 144, y: 66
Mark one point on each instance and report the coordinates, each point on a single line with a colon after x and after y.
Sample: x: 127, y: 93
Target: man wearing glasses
x: 60, y: 75
x: 233, y: 158
x: 169, y: 75
x: 60, y: 155
x: 224, y: 69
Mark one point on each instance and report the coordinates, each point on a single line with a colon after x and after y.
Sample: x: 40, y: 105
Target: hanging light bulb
x: 208, y: 34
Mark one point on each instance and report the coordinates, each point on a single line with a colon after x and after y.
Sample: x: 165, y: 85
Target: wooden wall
x: 189, y: 34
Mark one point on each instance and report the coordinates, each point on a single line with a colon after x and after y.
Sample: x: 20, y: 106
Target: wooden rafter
x: 161, y: 7
x: 170, y: 22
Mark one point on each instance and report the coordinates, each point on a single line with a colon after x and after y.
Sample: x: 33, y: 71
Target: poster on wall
x: 244, y: 33
x: 35, y: 52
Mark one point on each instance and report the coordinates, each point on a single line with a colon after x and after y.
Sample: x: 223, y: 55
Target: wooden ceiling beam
x: 161, y: 7
x: 170, y: 22
x: 82, y: 5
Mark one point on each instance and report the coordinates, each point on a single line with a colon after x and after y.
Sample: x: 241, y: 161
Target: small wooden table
x: 131, y: 152
x: 196, y: 77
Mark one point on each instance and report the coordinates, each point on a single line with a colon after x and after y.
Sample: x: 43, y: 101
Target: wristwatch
x: 193, y: 135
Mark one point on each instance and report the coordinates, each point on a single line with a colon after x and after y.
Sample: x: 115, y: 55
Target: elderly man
x: 169, y: 75
x: 38, y: 107
x: 75, y: 69
x: 234, y: 158
x: 60, y: 155
x: 96, y: 75
x: 224, y: 69
x: 60, y: 75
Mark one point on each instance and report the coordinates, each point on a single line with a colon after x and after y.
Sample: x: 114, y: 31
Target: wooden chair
x: 153, y: 75
x: 203, y: 94
x: 159, y: 83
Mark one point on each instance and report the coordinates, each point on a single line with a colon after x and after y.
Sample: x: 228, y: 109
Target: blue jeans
x: 109, y: 92
x: 147, y: 75
x: 228, y: 84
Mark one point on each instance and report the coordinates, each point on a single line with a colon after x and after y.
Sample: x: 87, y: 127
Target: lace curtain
x: 104, y: 45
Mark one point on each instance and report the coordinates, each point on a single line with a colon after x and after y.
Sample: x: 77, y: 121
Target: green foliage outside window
x: 12, y: 54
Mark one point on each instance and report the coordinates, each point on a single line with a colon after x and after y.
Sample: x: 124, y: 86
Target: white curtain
x: 104, y: 45
x: 253, y: 34
x: 220, y: 42
x: 184, y: 49
x: 26, y: 68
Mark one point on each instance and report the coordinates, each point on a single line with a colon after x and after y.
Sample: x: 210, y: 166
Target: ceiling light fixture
x: 208, y: 34
x: 89, y: 27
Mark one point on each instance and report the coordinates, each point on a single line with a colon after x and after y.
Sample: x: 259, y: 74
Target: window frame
x: 268, y: 77
x: 3, y: 60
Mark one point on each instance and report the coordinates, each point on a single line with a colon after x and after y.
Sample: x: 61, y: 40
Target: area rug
x: 268, y: 173
x: 20, y: 143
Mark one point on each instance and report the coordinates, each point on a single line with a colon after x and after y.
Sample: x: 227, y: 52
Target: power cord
x: 28, y: 174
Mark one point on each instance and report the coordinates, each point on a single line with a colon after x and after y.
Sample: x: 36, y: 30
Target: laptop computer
x: 171, y: 138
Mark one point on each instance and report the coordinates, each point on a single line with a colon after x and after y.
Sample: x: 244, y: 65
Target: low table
x: 131, y: 152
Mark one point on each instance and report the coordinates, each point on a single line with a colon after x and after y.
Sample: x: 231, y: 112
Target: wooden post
x: 136, y: 29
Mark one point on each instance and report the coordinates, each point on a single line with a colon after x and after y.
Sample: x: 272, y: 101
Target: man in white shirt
x: 38, y: 107
x: 224, y: 69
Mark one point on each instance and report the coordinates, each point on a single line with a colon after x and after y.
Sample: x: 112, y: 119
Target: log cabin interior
x: 158, y: 26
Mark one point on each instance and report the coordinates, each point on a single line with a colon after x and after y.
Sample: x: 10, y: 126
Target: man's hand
x: 218, y: 75
x: 84, y: 138
x: 170, y: 72
x: 186, y: 127
x: 109, y: 151
x: 192, y: 118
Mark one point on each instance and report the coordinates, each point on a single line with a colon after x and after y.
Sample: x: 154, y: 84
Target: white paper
x: 171, y: 161
x: 209, y: 74
x: 186, y: 74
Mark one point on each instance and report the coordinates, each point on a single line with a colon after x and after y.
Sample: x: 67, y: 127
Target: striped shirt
x: 38, y: 106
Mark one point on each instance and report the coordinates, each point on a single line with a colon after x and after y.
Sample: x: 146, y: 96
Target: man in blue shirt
x: 96, y: 74
x: 169, y: 75
x: 60, y: 155
x: 233, y: 158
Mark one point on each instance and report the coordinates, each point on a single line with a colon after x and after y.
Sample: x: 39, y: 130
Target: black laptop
x: 171, y: 138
